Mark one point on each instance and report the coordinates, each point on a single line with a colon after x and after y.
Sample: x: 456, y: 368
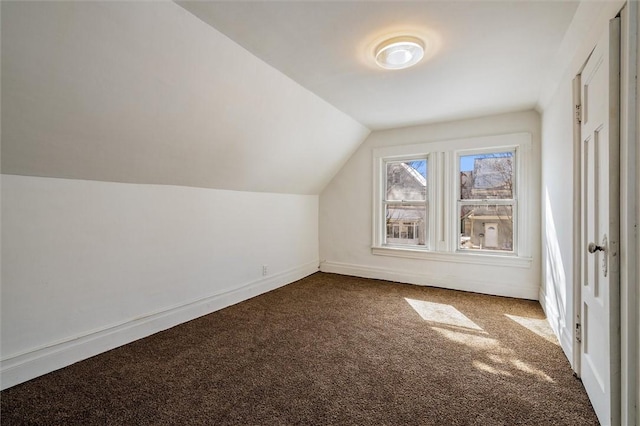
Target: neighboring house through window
x: 406, y: 203
x: 486, y: 201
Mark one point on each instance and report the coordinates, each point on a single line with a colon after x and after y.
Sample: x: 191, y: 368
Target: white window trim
x: 442, y: 193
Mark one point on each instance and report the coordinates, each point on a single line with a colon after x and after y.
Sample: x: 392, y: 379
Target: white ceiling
x: 487, y: 57
x: 128, y: 92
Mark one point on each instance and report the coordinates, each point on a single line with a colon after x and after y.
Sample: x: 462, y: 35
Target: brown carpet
x: 327, y: 349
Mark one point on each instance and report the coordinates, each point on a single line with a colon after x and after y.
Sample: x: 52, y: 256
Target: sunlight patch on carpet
x: 441, y: 313
x: 489, y: 369
x: 472, y: 340
x: 526, y: 368
x: 537, y: 326
x: 503, y: 363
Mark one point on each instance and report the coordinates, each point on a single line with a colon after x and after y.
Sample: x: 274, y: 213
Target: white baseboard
x: 26, y: 366
x: 475, y: 285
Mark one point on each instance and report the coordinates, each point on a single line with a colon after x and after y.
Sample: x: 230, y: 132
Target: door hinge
x: 578, y: 113
x: 578, y: 333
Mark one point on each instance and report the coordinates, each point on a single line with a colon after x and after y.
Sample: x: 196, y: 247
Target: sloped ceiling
x: 486, y: 56
x: 145, y: 92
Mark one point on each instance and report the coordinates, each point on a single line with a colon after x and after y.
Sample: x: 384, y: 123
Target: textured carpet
x: 327, y: 349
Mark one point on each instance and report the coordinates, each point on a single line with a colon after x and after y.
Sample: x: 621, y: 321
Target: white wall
x: 556, y: 295
x: 346, y: 215
x: 147, y: 95
x: 558, y: 181
x: 87, y: 266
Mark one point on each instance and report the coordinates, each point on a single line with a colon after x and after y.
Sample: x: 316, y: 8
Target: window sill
x: 468, y: 258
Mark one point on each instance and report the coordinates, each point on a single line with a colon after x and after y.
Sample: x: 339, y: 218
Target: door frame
x: 629, y: 215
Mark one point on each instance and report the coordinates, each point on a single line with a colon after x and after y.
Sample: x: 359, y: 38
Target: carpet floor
x: 327, y: 349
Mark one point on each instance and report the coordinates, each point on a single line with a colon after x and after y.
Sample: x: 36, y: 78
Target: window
x: 486, y: 201
x: 454, y: 200
x: 405, y: 202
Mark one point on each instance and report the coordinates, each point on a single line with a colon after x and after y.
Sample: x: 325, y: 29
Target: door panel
x: 599, y: 352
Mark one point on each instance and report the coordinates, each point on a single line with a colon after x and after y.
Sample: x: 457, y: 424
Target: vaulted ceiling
x: 144, y: 92
x: 269, y: 96
x: 483, y: 56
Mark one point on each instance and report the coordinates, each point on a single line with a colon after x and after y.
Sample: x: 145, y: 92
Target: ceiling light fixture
x: 399, y: 52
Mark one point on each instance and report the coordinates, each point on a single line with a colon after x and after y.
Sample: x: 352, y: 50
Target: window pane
x: 486, y: 176
x: 407, y: 181
x: 486, y: 227
x: 406, y: 225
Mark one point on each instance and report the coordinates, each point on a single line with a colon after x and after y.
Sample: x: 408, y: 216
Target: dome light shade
x: 399, y: 52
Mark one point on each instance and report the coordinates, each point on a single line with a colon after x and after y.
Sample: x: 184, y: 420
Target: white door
x: 599, y: 134
x: 491, y: 235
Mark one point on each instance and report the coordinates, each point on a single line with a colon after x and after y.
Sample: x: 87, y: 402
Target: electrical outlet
x: 264, y: 270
